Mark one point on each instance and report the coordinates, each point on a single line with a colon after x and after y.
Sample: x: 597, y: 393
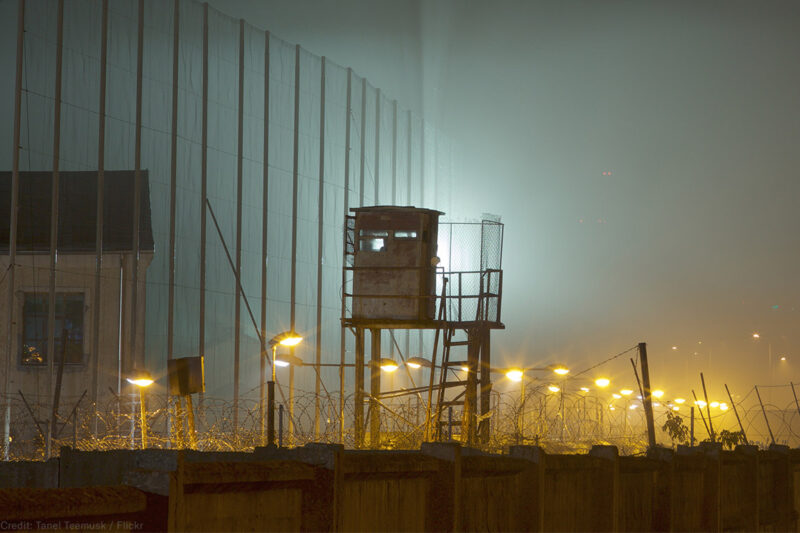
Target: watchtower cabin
x: 410, y: 271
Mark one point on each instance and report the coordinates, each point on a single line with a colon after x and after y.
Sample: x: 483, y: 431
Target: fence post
x: 537, y: 456
x: 610, y: 453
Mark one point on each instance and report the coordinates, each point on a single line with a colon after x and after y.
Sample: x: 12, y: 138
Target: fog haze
x: 643, y: 156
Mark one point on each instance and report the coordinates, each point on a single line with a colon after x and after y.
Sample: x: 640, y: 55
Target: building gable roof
x: 76, y: 211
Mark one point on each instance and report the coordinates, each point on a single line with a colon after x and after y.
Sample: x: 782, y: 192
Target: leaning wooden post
x: 739, y: 420
x: 646, y: 400
x: 764, y: 411
x: 700, y: 410
x: 708, y: 408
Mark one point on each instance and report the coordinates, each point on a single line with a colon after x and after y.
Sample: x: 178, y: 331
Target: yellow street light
x: 289, y: 339
x: 514, y: 374
x: 676, y: 408
x: 616, y: 396
x: 464, y: 368
x: 756, y: 336
x: 140, y: 378
x: 723, y: 406
x: 633, y: 406
x: 626, y: 392
x: 388, y: 365
x: 561, y: 370
x: 679, y: 400
x: 700, y: 403
x: 658, y: 393
x: 418, y: 362
x: 584, y: 389
x: 602, y: 382
x: 714, y: 404
x: 553, y: 388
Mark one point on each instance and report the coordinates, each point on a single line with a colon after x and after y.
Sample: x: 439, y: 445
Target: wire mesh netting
x: 245, y: 158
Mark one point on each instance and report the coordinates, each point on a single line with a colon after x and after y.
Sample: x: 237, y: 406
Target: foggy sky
x: 694, y: 109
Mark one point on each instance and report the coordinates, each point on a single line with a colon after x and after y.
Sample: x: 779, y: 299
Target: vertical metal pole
x: 173, y: 177
x: 358, y: 421
x: 201, y: 346
x: 98, y: 244
x: 143, y: 417
x: 264, y: 240
x: 394, y: 156
x: 271, y: 404
x: 342, y: 338
x: 51, y: 301
x: 237, y: 311
x: 295, y: 181
x: 422, y: 164
x: 137, y: 190
x: 363, y: 139
x: 375, y: 388
x: 408, y: 158
x: 290, y: 432
x: 377, y: 145
x: 320, y: 226
x: 280, y: 426
x: 12, y: 237
x: 450, y: 423
x: 471, y: 396
x: 691, y: 426
x: 485, y: 384
x: 646, y: 396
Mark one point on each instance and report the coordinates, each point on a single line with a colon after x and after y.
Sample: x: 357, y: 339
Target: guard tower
x: 400, y: 282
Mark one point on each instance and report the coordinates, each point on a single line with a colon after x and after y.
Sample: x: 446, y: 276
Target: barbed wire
x: 568, y: 422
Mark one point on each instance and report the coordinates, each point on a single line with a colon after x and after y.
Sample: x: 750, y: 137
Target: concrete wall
x: 444, y: 487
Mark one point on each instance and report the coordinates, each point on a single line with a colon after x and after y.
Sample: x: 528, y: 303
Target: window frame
x: 61, y: 291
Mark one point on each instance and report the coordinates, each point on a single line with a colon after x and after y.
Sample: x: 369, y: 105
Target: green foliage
x: 675, y: 428
x: 730, y: 439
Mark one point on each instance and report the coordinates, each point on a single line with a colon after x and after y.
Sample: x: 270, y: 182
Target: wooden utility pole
x: 646, y: 399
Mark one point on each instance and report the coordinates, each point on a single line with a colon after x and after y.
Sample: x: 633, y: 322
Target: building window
x: 69, y: 326
x: 373, y: 240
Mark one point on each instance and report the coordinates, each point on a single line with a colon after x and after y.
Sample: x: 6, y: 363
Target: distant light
x: 281, y: 363
x: 553, y: 388
x: 723, y: 406
x: 633, y: 406
x: 714, y: 404
x: 611, y: 408
x: 674, y: 347
x: 465, y: 368
x: 585, y: 389
x: 676, y: 408
x: 679, y: 400
x: 413, y: 365
x: 756, y: 336
x: 561, y: 370
x: 617, y: 396
x: 656, y: 404
x: 700, y: 403
x: 783, y: 358
x: 602, y: 382
x: 658, y: 393
x: 626, y: 392
x: 515, y: 374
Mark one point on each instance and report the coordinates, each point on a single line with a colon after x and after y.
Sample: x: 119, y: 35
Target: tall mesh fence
x: 281, y: 160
